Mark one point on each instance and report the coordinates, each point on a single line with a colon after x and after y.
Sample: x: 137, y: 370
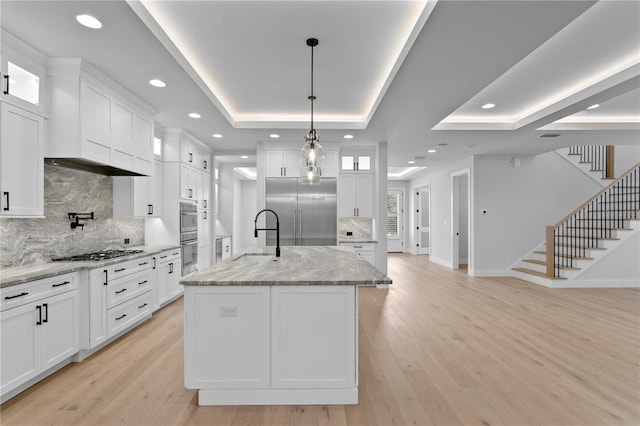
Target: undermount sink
x: 256, y: 257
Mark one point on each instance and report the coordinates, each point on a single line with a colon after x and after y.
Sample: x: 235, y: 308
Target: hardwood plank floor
x: 437, y: 348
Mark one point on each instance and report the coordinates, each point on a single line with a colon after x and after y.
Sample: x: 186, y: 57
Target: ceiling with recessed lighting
x: 409, y: 73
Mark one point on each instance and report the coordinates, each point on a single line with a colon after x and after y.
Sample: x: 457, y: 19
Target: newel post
x: 550, y: 258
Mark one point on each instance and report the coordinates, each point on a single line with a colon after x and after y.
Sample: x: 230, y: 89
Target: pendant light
x: 311, y: 154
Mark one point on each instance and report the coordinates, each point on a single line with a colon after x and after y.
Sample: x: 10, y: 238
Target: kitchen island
x: 261, y: 330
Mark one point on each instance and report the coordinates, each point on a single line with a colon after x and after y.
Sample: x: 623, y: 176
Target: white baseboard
x: 439, y: 261
x: 278, y: 397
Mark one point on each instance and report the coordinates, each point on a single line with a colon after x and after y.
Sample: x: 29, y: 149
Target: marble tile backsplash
x: 28, y: 241
x: 360, y: 228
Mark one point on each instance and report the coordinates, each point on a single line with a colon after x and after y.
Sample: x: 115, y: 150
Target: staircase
x: 586, y: 235
x: 596, y: 161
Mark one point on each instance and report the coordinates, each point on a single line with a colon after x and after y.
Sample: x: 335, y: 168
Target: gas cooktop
x: 97, y: 256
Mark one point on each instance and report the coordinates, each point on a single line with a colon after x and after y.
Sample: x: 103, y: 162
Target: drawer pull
x: 24, y: 293
x: 163, y: 257
x: 357, y: 246
x: 120, y: 317
x: 61, y: 284
x: 142, y: 306
x: 143, y: 263
x: 39, y: 309
x: 121, y: 291
x: 120, y: 270
x: 176, y: 253
x: 143, y: 282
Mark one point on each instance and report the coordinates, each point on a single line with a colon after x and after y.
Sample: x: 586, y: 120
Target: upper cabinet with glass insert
x: 24, y: 75
x: 360, y: 160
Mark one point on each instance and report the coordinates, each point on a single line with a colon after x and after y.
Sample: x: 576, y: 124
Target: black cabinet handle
x: 121, y: 291
x: 171, y: 268
x: 106, y: 280
x: 191, y: 157
x: 205, y: 164
x: 204, y: 215
x: 61, y: 284
x: 6, y: 205
x: 120, y: 317
x: 6, y: 90
x: 143, y: 263
x: 155, y: 264
x: 163, y: 257
x: 190, y: 193
x: 205, y: 203
x: 46, y: 312
x: 120, y: 270
x: 143, y: 282
x: 150, y: 209
x: 176, y: 253
x: 142, y: 306
x: 24, y: 293
x: 39, y: 309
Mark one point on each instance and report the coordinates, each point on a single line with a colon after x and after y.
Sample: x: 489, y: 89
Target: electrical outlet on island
x: 126, y: 240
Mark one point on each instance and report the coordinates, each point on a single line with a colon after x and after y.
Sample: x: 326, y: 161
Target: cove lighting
x: 194, y: 115
x: 157, y: 83
x: 594, y: 106
x: 488, y: 106
x: 89, y: 21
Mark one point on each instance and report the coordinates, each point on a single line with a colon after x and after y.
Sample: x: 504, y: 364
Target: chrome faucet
x: 277, y: 229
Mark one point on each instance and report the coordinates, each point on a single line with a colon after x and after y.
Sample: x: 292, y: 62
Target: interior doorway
x: 395, y: 220
x: 460, y: 213
x: 422, y: 220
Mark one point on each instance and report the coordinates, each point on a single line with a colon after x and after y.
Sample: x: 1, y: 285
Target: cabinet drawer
x: 127, y: 287
x: 128, y: 313
x: 358, y: 247
x: 126, y: 268
x: 21, y: 294
x: 167, y: 256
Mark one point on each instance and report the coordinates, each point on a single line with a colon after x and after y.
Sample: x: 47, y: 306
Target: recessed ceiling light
x: 217, y: 135
x: 274, y: 136
x: 488, y: 106
x: 194, y: 115
x: 348, y: 136
x: 431, y: 150
x: 411, y: 162
x: 594, y: 106
x: 244, y: 157
x: 89, y: 21
x: 157, y: 83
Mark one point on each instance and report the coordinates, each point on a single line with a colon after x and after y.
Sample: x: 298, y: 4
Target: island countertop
x: 297, y: 265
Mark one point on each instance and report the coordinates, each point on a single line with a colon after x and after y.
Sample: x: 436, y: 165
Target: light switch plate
x: 228, y: 311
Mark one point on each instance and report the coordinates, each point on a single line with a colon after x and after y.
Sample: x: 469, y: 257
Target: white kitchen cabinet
x: 226, y: 248
x: 282, y: 163
x: 94, y: 119
x: 21, y: 162
x: 38, y: 328
x: 168, y: 271
x: 330, y: 168
x: 139, y: 196
x: 307, y: 353
x: 189, y: 183
x: 366, y: 251
x: 237, y: 316
x: 204, y: 256
x: 205, y: 191
x: 192, y: 154
x: 359, y: 160
x: 24, y: 72
x: 355, y: 195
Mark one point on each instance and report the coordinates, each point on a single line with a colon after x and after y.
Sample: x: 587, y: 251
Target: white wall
x: 244, y: 238
x: 520, y: 203
x: 620, y: 268
x: 226, y: 188
x: 625, y: 157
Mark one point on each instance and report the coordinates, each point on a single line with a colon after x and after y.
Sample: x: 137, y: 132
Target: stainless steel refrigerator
x: 307, y: 213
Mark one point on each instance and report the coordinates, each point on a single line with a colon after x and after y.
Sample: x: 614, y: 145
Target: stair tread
x: 565, y: 255
x: 536, y: 261
x: 539, y: 274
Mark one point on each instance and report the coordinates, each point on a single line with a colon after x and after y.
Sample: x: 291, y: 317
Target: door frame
x: 416, y: 249
x: 455, y: 218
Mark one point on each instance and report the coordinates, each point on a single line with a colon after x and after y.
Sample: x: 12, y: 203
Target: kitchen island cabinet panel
x: 60, y: 338
x: 227, y: 338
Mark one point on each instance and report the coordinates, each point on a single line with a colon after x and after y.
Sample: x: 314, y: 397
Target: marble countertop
x: 297, y: 265
x: 25, y: 273
x: 355, y: 241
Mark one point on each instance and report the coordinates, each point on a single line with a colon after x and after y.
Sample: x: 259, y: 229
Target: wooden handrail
x: 564, y: 219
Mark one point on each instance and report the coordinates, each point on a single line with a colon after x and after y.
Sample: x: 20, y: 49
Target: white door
x: 422, y: 204
x: 460, y: 202
x: 395, y: 227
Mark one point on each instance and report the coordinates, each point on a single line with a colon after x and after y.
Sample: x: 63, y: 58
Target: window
x: 157, y: 147
x: 393, y: 214
x: 23, y: 84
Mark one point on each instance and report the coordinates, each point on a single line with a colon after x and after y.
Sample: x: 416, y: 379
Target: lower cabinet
x: 271, y: 344
x: 366, y: 251
x: 37, y: 335
x: 168, y: 266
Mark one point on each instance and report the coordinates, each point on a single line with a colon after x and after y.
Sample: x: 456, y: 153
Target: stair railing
x: 594, y: 220
x: 601, y: 157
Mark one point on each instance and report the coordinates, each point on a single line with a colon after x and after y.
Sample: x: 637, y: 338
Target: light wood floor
x: 439, y: 347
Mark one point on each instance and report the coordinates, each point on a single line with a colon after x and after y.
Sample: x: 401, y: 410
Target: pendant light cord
x: 312, y: 42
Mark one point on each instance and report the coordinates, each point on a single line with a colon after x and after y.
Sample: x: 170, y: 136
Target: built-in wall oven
x: 189, y: 237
